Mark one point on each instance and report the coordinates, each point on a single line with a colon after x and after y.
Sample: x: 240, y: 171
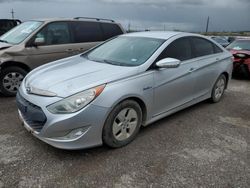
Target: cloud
x: 154, y: 3
x: 220, y: 3
x: 188, y: 15
x: 148, y: 2
x: 152, y: 25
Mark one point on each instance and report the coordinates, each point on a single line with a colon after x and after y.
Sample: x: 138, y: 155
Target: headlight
x: 75, y: 102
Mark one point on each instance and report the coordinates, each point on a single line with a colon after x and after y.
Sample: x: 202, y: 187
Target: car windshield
x: 125, y: 51
x: 20, y: 32
x: 240, y: 45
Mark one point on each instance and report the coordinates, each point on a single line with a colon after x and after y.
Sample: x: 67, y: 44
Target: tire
x: 122, y: 124
x: 246, y: 72
x: 10, y: 80
x: 218, y: 89
x: 241, y: 72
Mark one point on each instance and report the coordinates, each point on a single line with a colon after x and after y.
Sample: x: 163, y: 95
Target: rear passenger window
x: 179, y: 49
x: 110, y: 30
x: 217, y: 49
x: 6, y: 25
x: 202, y: 47
x: 55, y: 33
x: 86, y: 32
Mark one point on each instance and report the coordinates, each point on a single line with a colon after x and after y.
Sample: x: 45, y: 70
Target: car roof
x: 159, y: 34
x: 47, y: 20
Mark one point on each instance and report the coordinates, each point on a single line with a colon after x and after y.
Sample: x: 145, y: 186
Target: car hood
x: 72, y: 75
x: 4, y: 45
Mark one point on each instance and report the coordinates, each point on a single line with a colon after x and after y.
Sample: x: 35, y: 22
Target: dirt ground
x: 206, y: 145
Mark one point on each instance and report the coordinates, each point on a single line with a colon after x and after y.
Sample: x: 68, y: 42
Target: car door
x: 57, y: 44
x: 86, y: 34
x: 207, y: 57
x: 174, y: 86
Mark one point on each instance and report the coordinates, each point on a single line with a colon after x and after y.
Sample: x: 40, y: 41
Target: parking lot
x: 206, y: 145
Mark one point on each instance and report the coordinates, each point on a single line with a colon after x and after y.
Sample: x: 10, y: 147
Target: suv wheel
x: 10, y: 80
x: 122, y: 124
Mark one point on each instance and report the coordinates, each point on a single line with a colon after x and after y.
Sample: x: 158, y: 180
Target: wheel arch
x: 141, y: 103
x: 142, y: 106
x: 15, y: 64
x: 227, y: 78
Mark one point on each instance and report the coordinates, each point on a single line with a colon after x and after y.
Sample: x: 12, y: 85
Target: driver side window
x: 55, y: 33
x: 179, y: 49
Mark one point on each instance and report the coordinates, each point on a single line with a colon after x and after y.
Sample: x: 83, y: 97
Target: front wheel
x: 122, y: 124
x: 10, y: 80
x: 219, y: 89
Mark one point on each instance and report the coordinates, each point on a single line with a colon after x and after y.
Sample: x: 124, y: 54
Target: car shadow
x: 240, y: 77
x: 4, y: 98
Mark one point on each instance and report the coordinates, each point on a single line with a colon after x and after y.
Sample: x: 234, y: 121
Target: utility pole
x: 207, y: 24
x: 12, y: 14
x: 129, y: 26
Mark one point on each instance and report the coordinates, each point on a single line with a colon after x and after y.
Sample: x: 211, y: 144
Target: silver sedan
x: 106, y: 94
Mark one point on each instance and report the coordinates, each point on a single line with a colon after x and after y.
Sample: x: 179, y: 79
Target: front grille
x: 31, y: 113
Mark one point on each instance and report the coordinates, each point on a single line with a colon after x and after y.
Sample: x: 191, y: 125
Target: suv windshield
x: 125, y: 51
x: 240, y: 45
x: 20, y: 32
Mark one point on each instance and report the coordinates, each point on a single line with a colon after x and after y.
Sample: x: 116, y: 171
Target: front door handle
x: 191, y: 70
x: 69, y: 50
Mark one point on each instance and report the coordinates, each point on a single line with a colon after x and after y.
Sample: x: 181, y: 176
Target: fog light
x: 74, y: 134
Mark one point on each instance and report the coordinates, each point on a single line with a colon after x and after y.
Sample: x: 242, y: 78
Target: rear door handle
x: 217, y: 59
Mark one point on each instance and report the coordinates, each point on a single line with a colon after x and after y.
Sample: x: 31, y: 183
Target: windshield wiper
x: 5, y: 41
x: 114, y: 62
x: 91, y: 59
x: 104, y: 61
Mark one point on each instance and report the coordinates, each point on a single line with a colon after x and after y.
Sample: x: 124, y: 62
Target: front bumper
x: 90, y: 119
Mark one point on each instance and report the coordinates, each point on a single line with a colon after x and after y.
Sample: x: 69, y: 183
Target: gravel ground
x: 206, y: 145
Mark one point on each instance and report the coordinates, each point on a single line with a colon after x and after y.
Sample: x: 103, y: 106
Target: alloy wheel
x: 12, y: 81
x: 219, y: 88
x: 125, y: 124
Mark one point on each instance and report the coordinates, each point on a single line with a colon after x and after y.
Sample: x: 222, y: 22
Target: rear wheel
x: 219, y: 89
x: 10, y: 80
x: 122, y: 124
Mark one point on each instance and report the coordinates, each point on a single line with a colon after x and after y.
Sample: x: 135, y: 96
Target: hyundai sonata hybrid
x: 106, y: 94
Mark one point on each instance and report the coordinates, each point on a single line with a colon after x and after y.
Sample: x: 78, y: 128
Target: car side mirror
x: 39, y: 41
x: 168, y: 63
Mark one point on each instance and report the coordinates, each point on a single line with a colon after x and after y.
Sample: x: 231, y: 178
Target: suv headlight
x: 75, y: 102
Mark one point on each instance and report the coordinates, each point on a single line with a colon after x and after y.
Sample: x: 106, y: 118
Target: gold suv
x: 36, y: 42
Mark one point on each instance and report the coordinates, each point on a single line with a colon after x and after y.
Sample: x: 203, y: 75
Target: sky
x: 185, y: 15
